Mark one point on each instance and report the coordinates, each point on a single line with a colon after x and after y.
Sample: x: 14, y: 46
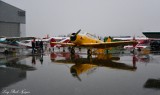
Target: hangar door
x: 9, y: 29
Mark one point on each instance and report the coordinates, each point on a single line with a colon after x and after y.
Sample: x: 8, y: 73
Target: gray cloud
x: 101, y: 17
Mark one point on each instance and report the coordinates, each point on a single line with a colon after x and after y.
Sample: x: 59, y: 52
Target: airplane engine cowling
x: 73, y: 37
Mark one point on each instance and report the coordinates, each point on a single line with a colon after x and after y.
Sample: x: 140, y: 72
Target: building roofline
x: 10, y: 5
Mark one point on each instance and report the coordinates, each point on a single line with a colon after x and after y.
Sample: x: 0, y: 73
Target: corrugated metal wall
x: 9, y: 29
x: 9, y: 13
x: 11, y: 19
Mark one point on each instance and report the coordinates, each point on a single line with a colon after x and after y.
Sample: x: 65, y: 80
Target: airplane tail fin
x: 134, y: 44
x: 108, y: 39
x: 52, y: 44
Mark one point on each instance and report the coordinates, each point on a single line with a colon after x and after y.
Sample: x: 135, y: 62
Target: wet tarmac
x: 60, y: 73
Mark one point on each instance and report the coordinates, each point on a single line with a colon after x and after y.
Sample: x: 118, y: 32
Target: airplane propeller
x: 74, y: 35
x: 78, y: 31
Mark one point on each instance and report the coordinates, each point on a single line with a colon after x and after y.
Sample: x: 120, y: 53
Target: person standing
x: 33, y: 46
x: 41, y: 46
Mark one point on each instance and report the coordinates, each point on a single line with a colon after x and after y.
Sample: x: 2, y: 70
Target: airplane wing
x: 109, y: 44
x: 100, y: 45
x: 61, y: 43
x: 19, y: 38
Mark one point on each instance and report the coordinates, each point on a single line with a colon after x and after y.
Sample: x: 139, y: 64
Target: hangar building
x: 152, y: 34
x: 12, y: 20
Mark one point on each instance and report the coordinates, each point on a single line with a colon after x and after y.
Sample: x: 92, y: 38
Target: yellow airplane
x: 90, y: 41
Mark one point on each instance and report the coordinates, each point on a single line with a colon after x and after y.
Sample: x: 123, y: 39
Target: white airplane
x: 141, y: 45
x: 11, y: 44
x: 143, y: 42
x: 127, y: 38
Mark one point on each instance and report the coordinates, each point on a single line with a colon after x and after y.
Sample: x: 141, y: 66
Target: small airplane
x: 90, y: 41
x: 143, y: 45
x: 51, y: 41
x: 127, y: 38
x: 65, y: 40
x: 55, y: 39
x: 143, y: 42
x: 10, y: 44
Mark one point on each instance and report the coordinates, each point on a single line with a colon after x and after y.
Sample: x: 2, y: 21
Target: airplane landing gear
x: 53, y: 49
x: 63, y: 49
x: 72, y: 51
x: 89, y: 52
x: 89, y: 55
x: 6, y: 52
x: 107, y: 51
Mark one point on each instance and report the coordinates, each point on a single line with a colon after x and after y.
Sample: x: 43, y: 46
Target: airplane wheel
x: 133, y: 51
x: 69, y: 48
x: 80, y: 49
x: 63, y: 49
x: 89, y: 52
x: 6, y: 52
x: 139, y: 49
x: 72, y: 51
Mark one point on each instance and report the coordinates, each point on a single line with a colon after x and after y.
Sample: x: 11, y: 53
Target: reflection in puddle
x: 89, y: 64
x: 78, y: 71
x: 12, y: 70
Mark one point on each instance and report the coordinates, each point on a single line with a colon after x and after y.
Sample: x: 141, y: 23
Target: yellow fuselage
x: 80, y: 39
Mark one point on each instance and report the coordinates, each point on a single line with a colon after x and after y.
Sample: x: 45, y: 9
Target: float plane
x: 89, y: 41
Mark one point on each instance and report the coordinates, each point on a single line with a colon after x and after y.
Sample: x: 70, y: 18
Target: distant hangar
x: 152, y: 34
x: 12, y: 20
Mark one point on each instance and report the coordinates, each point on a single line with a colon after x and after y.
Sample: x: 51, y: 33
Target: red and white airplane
x: 142, y: 44
x: 59, y: 39
x: 62, y: 40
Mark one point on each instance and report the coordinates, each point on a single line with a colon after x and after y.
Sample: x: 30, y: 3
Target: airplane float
x: 90, y: 41
x: 10, y: 44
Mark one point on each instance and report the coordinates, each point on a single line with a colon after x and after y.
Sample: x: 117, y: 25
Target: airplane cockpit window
x: 91, y: 35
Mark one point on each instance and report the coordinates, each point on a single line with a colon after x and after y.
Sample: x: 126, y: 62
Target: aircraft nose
x: 73, y: 72
x: 73, y: 37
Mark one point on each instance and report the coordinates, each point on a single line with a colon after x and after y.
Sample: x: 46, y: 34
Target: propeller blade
x: 74, y: 35
x: 78, y: 31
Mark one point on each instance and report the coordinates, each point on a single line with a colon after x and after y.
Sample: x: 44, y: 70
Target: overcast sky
x: 100, y: 17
